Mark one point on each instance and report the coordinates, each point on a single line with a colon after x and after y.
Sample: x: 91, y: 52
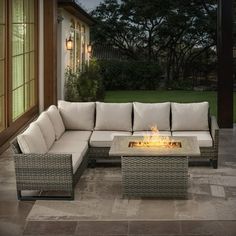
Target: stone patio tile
x: 11, y: 226
x: 10, y: 209
x: 202, y: 227
x: 102, y: 227
x: 229, y: 227
x: 217, y: 191
x: 154, y: 227
x: 50, y: 227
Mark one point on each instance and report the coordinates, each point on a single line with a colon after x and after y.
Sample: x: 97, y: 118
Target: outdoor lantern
x: 89, y: 48
x: 69, y: 43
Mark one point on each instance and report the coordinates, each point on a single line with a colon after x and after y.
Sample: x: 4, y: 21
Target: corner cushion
x: 104, y: 138
x: 56, y: 120
x: 77, y: 115
x: 75, y: 136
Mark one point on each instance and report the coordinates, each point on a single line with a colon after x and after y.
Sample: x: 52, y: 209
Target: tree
x: 165, y: 31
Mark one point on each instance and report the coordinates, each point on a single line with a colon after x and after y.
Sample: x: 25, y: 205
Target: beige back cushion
x: 56, y: 120
x: 147, y: 115
x: 190, y: 116
x: 113, y: 116
x: 77, y: 115
x: 46, y: 128
x: 32, y: 141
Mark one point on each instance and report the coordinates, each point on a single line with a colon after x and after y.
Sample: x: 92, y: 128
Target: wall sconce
x: 69, y: 43
x: 89, y: 48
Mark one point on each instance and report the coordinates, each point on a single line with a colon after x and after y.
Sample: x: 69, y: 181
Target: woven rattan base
x: 155, y: 176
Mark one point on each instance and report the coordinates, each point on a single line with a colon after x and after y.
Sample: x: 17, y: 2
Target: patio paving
x: 98, y: 196
x: 99, y: 208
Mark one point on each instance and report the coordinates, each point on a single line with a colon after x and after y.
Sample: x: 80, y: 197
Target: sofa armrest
x: 214, y: 130
x: 44, y: 171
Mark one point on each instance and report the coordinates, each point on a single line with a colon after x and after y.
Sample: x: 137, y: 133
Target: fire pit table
x: 154, y: 169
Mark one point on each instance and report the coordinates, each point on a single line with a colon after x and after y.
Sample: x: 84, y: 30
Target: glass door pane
x: 2, y: 11
x: 18, y: 103
x: 23, y: 57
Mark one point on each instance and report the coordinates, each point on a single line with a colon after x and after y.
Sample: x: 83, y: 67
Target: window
x: 72, y: 52
x: 77, y: 54
x: 18, y: 63
x: 78, y: 46
x: 23, y: 55
x: 83, y: 45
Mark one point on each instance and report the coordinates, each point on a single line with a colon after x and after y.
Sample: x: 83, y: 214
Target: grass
x: 163, y: 96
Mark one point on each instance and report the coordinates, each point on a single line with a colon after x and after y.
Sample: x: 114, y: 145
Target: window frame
x: 12, y: 127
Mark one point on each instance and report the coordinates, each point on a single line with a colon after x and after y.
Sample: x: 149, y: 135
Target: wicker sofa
x: 52, y: 153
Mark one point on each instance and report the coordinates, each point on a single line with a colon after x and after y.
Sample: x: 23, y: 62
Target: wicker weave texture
x: 155, y: 176
x: 44, y: 172
x: 209, y: 153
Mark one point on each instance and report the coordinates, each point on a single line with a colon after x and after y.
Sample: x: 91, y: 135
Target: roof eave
x: 72, y: 7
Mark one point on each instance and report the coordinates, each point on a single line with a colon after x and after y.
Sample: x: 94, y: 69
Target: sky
x: 89, y: 4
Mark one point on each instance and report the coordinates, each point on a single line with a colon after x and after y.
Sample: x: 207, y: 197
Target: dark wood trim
x: 10, y: 132
x: 9, y: 64
x: 50, y: 53
x: 7, y: 67
x: 225, y: 63
x: 36, y: 38
x: 12, y: 128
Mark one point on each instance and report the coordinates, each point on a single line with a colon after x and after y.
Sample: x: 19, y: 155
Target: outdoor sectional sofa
x: 52, y: 153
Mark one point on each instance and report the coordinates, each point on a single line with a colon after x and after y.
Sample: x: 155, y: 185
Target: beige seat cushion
x: 189, y: 116
x: 75, y: 136
x: 147, y: 115
x: 56, y: 120
x: 204, y: 137
x: 143, y: 133
x: 77, y: 149
x: 77, y: 115
x: 46, y: 128
x: 32, y: 141
x: 113, y: 116
x: 104, y: 138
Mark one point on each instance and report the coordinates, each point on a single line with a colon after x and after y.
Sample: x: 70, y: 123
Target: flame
x: 154, y: 139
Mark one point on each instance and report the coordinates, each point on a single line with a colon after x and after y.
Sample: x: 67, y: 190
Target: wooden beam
x: 50, y: 53
x: 225, y: 63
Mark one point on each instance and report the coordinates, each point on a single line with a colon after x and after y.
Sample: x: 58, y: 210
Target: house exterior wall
x: 63, y: 33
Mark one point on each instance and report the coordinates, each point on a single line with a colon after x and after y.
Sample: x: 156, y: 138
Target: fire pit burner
x: 155, y: 144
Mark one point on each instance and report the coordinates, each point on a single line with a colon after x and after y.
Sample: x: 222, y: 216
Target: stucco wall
x: 63, y: 55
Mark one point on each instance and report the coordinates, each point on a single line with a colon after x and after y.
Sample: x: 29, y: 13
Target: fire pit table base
x: 148, y: 176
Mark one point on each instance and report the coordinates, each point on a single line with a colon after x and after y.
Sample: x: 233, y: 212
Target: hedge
x: 130, y: 75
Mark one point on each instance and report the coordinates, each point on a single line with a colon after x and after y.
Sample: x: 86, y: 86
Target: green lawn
x: 163, y: 96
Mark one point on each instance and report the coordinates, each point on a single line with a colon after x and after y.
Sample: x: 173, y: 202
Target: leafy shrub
x: 84, y: 86
x: 184, y: 84
x: 90, y: 83
x: 71, y: 85
x: 130, y: 75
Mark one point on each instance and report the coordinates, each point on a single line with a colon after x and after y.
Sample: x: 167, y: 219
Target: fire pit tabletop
x: 129, y: 146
